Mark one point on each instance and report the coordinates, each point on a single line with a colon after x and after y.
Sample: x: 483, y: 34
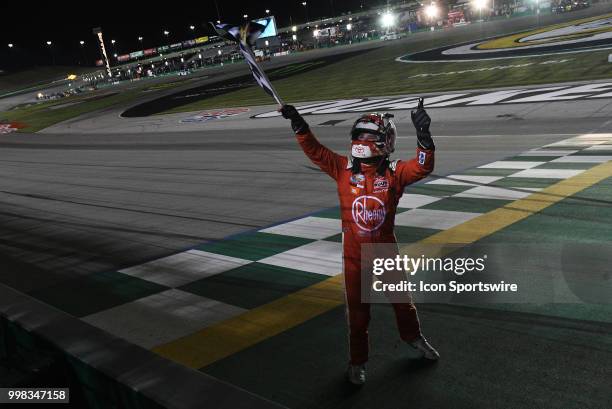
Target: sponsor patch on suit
x: 422, y: 157
x: 381, y: 184
x: 357, y: 180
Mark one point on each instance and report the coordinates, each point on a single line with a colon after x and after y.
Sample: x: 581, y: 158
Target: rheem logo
x: 368, y: 212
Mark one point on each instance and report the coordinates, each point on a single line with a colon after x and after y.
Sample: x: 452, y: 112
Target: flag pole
x: 243, y: 35
x: 275, y: 95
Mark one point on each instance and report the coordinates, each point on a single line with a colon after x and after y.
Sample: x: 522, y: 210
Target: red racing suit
x: 368, y: 204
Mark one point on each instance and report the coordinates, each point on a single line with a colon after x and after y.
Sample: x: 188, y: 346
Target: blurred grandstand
x: 387, y: 23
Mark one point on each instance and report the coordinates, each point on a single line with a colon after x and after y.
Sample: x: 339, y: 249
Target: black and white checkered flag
x: 245, y: 36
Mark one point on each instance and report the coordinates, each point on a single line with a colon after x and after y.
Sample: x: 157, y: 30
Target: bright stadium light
x: 10, y: 45
x: 267, y: 11
x: 219, y: 52
x: 315, y: 33
x: 431, y: 11
x: 166, y: 33
x: 294, y: 37
x: 349, y: 26
x: 115, y: 55
x: 480, y: 4
x: 113, y: 41
x: 246, y: 16
x: 387, y: 19
x: 192, y: 27
x: 267, y: 43
x: 294, y: 29
x: 82, y: 42
x: 49, y: 43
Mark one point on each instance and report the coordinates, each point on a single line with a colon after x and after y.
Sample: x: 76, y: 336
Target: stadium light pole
x: 267, y: 11
x: 49, y: 44
x: 82, y: 44
x: 305, y: 4
x: 141, y: 46
x: 10, y: 47
x: 218, y: 13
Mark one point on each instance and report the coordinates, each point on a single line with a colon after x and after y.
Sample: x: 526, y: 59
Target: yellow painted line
x: 236, y: 334
x: 228, y: 337
x: 511, y: 41
x: 495, y: 220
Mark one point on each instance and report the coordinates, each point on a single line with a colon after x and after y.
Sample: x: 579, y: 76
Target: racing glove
x: 298, y: 124
x: 421, y: 121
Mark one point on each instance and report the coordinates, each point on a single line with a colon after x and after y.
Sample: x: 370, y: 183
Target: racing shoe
x: 356, y: 374
x: 425, y: 348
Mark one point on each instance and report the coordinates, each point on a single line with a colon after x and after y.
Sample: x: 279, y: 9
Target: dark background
x: 30, y: 25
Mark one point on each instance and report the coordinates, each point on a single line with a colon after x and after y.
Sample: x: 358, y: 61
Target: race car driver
x: 369, y: 188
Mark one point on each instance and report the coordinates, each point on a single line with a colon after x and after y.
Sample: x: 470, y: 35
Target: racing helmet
x: 373, y: 135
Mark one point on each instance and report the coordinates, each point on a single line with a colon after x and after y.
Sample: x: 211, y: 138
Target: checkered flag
x: 245, y: 36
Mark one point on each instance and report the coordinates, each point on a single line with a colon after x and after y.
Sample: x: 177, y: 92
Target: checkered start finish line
x: 185, y: 293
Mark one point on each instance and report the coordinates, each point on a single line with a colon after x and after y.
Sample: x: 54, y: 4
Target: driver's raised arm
x: 422, y: 164
x: 329, y: 161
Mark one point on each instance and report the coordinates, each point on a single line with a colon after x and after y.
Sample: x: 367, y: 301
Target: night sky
x: 30, y: 25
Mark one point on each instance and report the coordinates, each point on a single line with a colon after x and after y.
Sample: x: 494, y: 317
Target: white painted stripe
x: 576, y: 142
x: 576, y: 92
x: 311, y: 227
x: 596, y: 136
x: 465, y: 180
x: 321, y: 257
x: 490, y: 192
x: 162, y: 317
x: 547, y: 152
x: 433, y: 219
x: 599, y: 148
x: 411, y: 201
x: 547, y: 173
x: 509, y: 164
x: 583, y: 159
x: 184, y: 268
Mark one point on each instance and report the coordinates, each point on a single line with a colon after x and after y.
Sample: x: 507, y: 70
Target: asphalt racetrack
x: 100, y: 194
